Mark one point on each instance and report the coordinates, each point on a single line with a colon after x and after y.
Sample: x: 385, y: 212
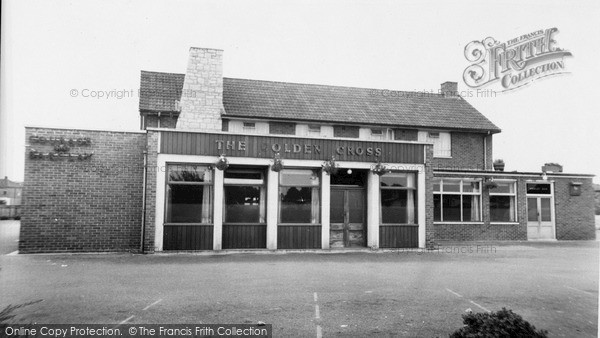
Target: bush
x: 503, y: 323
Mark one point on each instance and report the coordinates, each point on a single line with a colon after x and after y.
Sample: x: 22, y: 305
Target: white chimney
x: 202, y: 95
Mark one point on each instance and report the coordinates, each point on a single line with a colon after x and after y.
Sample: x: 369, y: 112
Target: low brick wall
x: 83, y: 205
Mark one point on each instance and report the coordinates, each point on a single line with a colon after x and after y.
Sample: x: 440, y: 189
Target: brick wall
x: 574, y: 215
x: 83, y: 205
x: 467, y: 152
x: 430, y: 235
x: 153, y: 170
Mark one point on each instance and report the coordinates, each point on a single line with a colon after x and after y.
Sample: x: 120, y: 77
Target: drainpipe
x: 143, y: 232
x: 485, y: 167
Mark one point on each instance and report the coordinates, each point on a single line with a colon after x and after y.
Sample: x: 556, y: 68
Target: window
x: 189, y: 194
x: 249, y: 127
x: 299, y: 196
x: 314, y: 130
x: 377, y: 134
x: 539, y: 188
x: 502, y: 202
x: 442, y: 142
x: 346, y: 131
x: 245, y: 196
x: 398, y: 198
x: 456, y: 200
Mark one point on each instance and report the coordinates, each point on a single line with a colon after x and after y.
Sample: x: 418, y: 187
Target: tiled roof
x: 301, y: 102
x: 159, y: 92
x: 6, y: 183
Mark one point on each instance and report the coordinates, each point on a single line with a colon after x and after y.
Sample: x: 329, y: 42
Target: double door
x: 347, y: 217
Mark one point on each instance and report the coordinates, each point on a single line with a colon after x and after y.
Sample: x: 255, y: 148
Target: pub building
x: 225, y: 163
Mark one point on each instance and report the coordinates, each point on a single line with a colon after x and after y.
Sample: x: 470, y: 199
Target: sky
x: 53, y: 49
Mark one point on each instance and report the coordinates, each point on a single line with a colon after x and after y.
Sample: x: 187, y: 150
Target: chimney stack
x: 202, y: 95
x: 449, y: 89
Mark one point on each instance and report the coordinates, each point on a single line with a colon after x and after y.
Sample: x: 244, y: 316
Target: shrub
x: 503, y: 323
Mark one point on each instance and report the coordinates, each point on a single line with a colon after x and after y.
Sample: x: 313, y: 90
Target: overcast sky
x: 52, y: 47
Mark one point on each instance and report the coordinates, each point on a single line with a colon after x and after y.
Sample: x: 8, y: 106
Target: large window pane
x: 243, y: 204
x: 546, y: 210
x: 532, y: 213
x: 471, y: 209
x: 502, y: 209
x: 297, y: 204
x: 189, y: 204
x: 398, y: 206
x: 451, y: 208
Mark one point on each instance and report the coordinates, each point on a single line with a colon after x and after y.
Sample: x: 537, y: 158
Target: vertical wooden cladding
x: 191, y: 143
x: 188, y: 237
x: 244, y: 236
x: 298, y: 237
x: 398, y: 236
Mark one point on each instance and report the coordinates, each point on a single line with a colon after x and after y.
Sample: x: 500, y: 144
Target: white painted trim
x: 218, y: 210
x: 160, y: 202
x: 325, y: 209
x: 272, y: 208
x: 421, y: 198
x: 373, y: 206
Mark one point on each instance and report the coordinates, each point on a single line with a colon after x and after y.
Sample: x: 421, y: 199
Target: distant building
x: 10, y: 192
x: 225, y: 163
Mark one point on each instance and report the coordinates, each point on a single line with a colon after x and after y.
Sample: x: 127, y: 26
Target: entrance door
x: 347, y: 218
x: 540, y: 221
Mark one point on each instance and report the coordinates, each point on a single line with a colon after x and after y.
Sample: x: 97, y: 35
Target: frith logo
x: 514, y: 63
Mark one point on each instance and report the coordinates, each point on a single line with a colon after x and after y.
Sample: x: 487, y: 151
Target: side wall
x: 467, y: 152
x: 83, y: 205
x: 574, y: 215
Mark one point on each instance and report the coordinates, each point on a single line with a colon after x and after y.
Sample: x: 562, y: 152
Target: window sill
x: 445, y: 157
x: 504, y: 223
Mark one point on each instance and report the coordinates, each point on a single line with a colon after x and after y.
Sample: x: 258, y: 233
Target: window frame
x: 282, y: 185
x: 461, y: 193
x: 415, y: 199
x: 245, y: 182
x: 436, y: 138
x: 249, y: 127
x: 513, y: 195
x: 168, y: 182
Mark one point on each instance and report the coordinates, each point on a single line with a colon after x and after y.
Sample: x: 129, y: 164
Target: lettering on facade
x: 299, y: 148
